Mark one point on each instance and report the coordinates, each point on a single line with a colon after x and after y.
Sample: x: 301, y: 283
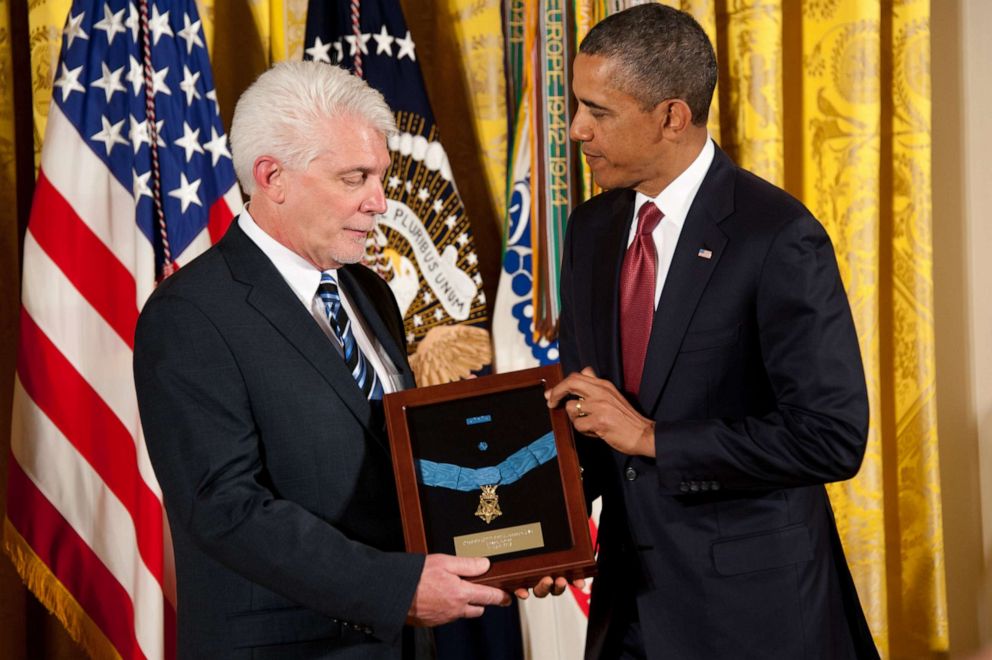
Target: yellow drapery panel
x: 7, y: 173
x: 866, y: 176
x: 919, y: 564
x: 478, y: 34
x: 587, y: 14
x: 841, y: 160
x: 750, y: 38
x: 704, y: 11
x: 277, y: 27
x: 45, y: 21
x: 11, y: 611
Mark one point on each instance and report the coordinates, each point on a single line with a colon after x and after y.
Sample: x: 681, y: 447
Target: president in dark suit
x: 714, y: 372
x: 260, y: 369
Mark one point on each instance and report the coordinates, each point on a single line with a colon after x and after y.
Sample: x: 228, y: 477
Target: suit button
x: 684, y: 487
x: 694, y: 486
x: 705, y: 485
x: 630, y: 473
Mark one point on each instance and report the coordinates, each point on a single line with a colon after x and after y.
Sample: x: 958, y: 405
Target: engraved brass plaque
x: 500, y: 541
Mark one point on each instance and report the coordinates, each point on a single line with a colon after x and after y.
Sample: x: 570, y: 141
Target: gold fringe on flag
x: 55, y: 597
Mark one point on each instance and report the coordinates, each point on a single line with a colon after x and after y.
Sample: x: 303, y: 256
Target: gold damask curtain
x: 831, y: 100
x: 827, y: 98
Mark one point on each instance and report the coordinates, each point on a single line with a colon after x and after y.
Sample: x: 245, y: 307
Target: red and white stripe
x: 82, y: 493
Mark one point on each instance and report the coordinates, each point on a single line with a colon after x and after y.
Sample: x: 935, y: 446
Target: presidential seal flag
x: 423, y: 244
x: 135, y: 180
x: 516, y: 344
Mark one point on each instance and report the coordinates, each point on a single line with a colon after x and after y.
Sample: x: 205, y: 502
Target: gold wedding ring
x: 578, y: 409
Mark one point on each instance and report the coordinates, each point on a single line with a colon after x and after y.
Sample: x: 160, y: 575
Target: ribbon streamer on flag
x: 423, y: 244
x: 542, y: 184
x: 135, y: 180
x: 542, y: 188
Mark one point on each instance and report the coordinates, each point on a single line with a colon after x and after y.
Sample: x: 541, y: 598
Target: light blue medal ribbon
x: 455, y: 477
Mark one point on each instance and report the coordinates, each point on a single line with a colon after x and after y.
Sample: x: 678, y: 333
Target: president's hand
x: 548, y: 585
x: 601, y: 411
x: 443, y: 596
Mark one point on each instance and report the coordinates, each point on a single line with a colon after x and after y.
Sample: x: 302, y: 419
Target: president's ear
x: 270, y: 178
x: 675, y: 117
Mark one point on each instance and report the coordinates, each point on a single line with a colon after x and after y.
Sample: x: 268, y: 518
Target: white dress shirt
x: 674, y: 201
x: 304, y: 278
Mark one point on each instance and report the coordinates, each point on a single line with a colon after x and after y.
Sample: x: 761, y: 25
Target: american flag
x: 136, y: 179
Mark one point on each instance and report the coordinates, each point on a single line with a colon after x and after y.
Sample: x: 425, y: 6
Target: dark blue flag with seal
x: 423, y: 245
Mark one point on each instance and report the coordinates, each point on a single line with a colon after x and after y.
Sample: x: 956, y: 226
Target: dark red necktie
x: 637, y: 281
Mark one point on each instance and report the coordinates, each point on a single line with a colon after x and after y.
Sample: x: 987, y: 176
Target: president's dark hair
x: 661, y: 53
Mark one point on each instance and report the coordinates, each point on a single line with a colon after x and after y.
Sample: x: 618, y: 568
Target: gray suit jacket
x: 275, y: 471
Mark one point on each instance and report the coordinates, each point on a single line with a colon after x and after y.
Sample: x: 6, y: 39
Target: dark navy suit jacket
x: 724, y: 546
x: 276, y: 475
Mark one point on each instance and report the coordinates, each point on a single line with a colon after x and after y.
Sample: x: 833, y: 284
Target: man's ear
x: 675, y: 117
x: 270, y: 178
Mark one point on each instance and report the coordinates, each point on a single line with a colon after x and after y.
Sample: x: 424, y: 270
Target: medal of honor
x: 488, y: 504
x: 487, y: 479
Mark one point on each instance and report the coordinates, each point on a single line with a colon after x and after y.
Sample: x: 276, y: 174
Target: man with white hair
x: 260, y: 369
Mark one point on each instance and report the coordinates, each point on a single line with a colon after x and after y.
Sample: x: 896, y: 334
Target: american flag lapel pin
x: 704, y: 253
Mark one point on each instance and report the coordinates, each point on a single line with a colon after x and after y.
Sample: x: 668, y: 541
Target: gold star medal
x: 488, y: 504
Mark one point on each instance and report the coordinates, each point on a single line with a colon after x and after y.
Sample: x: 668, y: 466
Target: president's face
x: 331, y: 205
x: 620, y: 140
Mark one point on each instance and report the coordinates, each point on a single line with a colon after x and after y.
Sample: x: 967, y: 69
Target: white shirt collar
x: 675, y: 200
x: 302, y: 276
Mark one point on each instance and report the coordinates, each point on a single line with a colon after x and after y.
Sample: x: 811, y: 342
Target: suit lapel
x: 606, y: 285
x: 688, y: 276
x: 272, y: 297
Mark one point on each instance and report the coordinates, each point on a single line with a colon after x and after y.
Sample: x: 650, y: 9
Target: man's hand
x: 602, y: 411
x: 443, y: 596
x: 549, y: 585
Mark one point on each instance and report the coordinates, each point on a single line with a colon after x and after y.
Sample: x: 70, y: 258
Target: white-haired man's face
x: 331, y: 206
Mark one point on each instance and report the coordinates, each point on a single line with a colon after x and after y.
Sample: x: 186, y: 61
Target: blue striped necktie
x: 358, y: 364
